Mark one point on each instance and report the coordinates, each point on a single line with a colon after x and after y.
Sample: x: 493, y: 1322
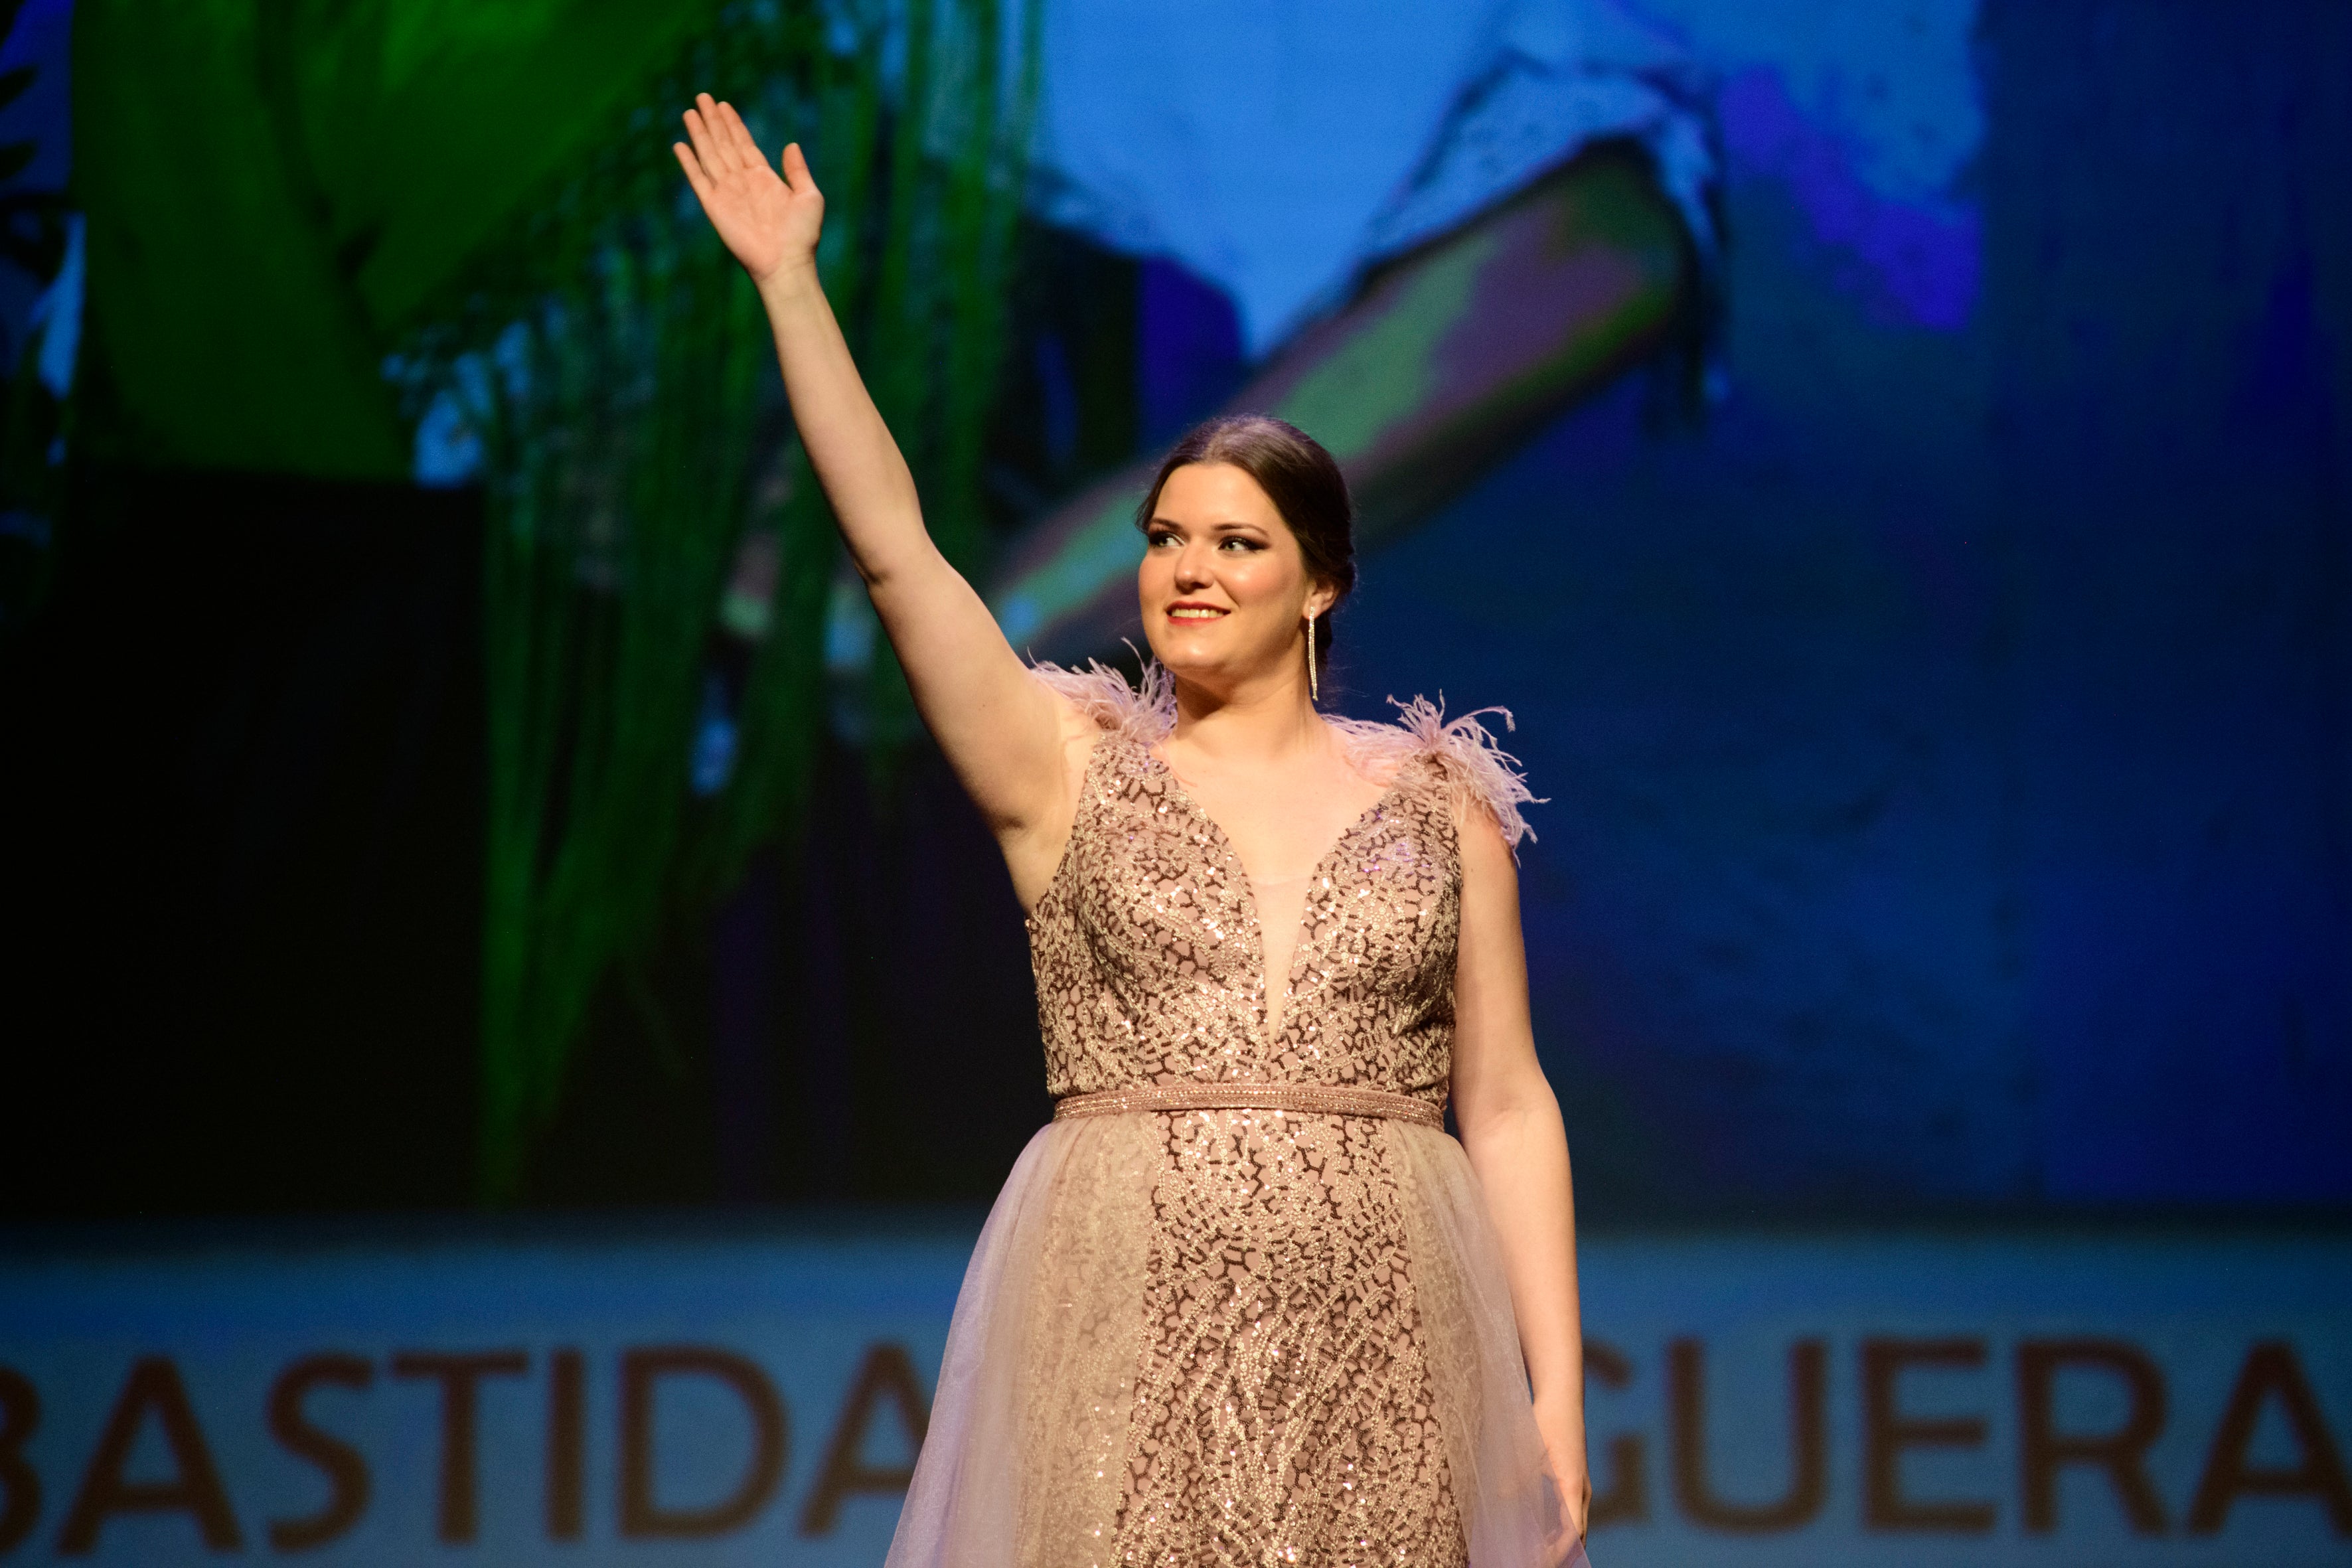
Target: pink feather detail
x: 1103, y: 695
x: 1472, y: 759
x: 1474, y: 762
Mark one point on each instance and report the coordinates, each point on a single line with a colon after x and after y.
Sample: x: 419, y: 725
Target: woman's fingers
x: 739, y: 145
x: 797, y: 170
x: 698, y: 132
x: 724, y: 146
x: 739, y: 135
x: 694, y: 177
x: 714, y: 144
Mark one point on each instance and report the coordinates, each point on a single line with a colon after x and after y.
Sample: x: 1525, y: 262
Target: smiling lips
x: 1190, y: 610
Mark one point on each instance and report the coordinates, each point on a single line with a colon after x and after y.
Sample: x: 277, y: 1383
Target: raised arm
x: 1511, y: 1129
x: 1006, y: 735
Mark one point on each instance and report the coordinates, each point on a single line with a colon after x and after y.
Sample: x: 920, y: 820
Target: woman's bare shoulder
x: 1101, y: 697
x: 1463, y: 756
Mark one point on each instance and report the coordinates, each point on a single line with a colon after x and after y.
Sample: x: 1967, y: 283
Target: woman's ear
x: 1319, y: 600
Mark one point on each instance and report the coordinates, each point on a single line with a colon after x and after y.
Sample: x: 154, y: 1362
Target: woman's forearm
x: 1520, y: 1154
x: 856, y: 461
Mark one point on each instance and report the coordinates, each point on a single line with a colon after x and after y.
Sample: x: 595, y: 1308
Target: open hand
x: 768, y: 221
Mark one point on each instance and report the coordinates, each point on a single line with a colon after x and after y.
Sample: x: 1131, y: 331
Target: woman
x: 1243, y: 1301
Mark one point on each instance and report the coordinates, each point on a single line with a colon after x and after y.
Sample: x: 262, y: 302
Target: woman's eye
x: 1235, y: 542
x: 1158, y: 539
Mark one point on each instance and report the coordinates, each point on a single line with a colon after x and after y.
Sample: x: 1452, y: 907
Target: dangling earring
x: 1314, y: 686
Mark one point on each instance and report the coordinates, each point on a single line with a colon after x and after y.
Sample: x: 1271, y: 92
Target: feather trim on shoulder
x: 1103, y: 695
x: 1474, y: 762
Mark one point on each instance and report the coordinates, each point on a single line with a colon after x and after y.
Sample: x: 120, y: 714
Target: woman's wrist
x: 1562, y: 1421
x: 790, y: 277
x: 1563, y: 1395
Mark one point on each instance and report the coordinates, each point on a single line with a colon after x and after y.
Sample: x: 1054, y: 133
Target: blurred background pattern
x: 1894, y: 460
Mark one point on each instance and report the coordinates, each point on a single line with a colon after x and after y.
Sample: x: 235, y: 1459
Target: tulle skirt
x: 1025, y: 1462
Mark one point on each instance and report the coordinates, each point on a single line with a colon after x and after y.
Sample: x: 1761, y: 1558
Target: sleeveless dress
x: 1240, y: 1302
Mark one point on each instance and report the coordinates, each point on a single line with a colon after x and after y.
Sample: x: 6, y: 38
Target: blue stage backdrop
x: 1946, y: 728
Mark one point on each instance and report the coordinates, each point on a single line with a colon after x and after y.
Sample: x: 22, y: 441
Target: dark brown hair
x: 1298, y: 475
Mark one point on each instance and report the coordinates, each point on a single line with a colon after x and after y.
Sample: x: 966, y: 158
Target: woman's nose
x: 1193, y: 567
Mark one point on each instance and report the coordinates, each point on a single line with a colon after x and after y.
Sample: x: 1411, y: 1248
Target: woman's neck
x: 1261, y: 721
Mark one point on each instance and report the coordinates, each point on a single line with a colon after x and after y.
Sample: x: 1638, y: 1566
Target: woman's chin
x: 1185, y: 650
x: 1204, y: 659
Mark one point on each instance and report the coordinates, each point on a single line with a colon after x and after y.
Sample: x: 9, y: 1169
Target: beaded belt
x: 1312, y: 1099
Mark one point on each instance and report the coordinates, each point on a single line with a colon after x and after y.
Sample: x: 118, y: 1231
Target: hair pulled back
x: 1298, y: 475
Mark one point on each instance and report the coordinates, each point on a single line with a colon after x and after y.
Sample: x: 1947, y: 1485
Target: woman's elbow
x: 1524, y: 1103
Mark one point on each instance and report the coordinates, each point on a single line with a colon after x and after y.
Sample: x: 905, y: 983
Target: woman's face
x: 1223, y: 587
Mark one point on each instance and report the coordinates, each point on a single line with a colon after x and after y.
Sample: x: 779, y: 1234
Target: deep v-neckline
x: 1305, y: 932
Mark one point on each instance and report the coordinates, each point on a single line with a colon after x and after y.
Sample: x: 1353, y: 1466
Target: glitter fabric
x: 1283, y: 1411
x: 1232, y: 1094
x: 1210, y: 1329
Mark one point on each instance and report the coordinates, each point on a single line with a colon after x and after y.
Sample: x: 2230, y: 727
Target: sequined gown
x: 1240, y: 1302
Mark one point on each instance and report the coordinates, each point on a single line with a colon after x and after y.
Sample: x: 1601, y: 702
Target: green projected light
x: 312, y: 223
